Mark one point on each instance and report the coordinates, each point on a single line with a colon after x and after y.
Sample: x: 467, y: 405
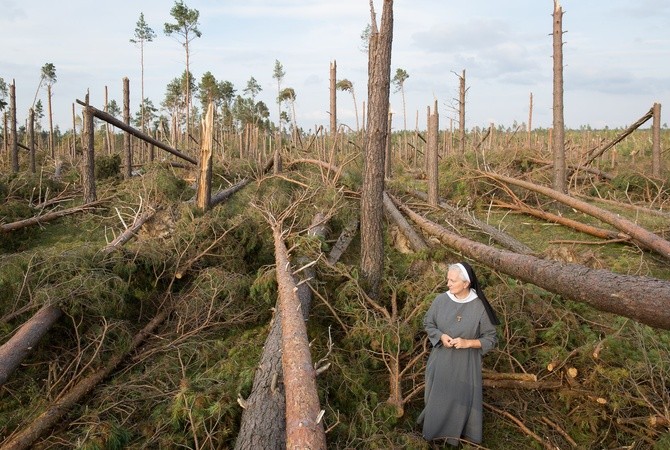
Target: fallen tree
x: 263, y: 422
x: 645, y: 237
x: 641, y: 298
x: 36, y: 220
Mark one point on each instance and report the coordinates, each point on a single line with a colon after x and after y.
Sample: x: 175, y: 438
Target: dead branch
x: 414, y: 238
x: 130, y: 232
x: 343, y: 241
x: 521, y: 426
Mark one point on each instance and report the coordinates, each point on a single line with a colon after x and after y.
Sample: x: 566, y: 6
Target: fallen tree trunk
x: 346, y: 236
x: 416, y: 241
x: 225, y: 194
x: 6, y: 227
x: 29, y: 433
x: 14, y: 351
x: 644, y: 237
x: 263, y: 422
x: 630, y: 206
x: 641, y: 298
x: 129, y: 232
x: 496, y: 235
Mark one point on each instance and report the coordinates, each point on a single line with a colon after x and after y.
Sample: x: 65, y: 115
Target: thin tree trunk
x: 416, y: 241
x: 432, y: 157
x: 6, y: 227
x: 372, y: 211
x: 530, y: 120
x: 656, y: 168
x: 131, y: 231
x: 640, y: 298
x: 74, y: 133
x: 51, y: 123
x: 558, y: 143
x: 110, y: 146
x: 333, y: 98
x: 31, y: 139
x: 15, y: 350
x: 128, y: 151
x: 12, y: 129
x: 461, y: 113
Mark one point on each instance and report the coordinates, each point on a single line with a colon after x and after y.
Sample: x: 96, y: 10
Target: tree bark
x: 372, y: 211
x: 344, y: 239
x: 88, y: 161
x: 223, y: 195
x: 264, y: 418
x: 644, y: 237
x: 640, y: 298
x: 5, y: 227
x: 51, y: 123
x: 12, y: 129
x: 333, y: 98
x: 15, y: 350
x: 129, y: 232
x: 461, y: 113
x: 127, y: 149
x: 656, y: 168
x: 558, y: 143
x: 416, y: 241
x: 31, y: 139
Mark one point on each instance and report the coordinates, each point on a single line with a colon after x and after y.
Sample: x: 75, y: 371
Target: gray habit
x: 453, y: 393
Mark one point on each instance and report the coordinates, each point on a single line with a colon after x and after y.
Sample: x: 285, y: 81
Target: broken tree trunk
x: 495, y: 234
x: 644, y: 237
x: 263, y: 420
x: 14, y: 351
x: 640, y: 298
x: 29, y: 433
x: 416, y: 241
x: 204, y: 192
x: 46, y: 217
x: 346, y: 236
x: 223, y: 195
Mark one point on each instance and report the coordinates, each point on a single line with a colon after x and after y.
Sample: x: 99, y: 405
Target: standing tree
x: 558, y: 141
x: 348, y: 86
x: 186, y: 27
x: 399, y: 82
x: 372, y: 209
x: 48, y: 77
x: 288, y: 95
x: 3, y: 94
x: 227, y: 90
x: 278, y: 74
x: 143, y: 33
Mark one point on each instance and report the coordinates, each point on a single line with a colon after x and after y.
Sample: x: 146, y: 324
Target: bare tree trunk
x: 88, y: 161
x: 461, y: 113
x: 656, y: 168
x: 431, y: 156
x: 388, y: 167
x: 558, y: 143
x: 530, y: 120
x: 372, y: 211
x: 131, y: 231
x: 5, y: 227
x: 204, y: 193
x: 640, y: 298
x: 5, y: 134
x: 12, y: 129
x: 51, y: 123
x: 15, y: 350
x: 333, y: 98
x: 31, y: 139
x: 128, y: 151
x: 110, y: 143
x: 74, y: 132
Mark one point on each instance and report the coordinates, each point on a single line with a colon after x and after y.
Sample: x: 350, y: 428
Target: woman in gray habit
x: 461, y: 328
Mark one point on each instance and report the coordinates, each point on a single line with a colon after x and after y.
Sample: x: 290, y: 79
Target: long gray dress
x: 453, y: 393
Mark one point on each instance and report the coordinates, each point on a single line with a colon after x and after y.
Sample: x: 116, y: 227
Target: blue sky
x: 616, y: 55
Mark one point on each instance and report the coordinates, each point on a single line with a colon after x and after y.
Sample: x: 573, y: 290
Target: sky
x: 616, y: 56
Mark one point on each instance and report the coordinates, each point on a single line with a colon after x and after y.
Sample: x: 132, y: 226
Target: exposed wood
x: 5, y: 227
x: 656, y: 164
x: 127, y: 148
x: 630, y: 206
x: 137, y: 133
x: 621, y: 136
x: 431, y: 156
x: 204, y: 192
x: 640, y: 298
x: 15, y: 350
x: 88, y: 161
x: 520, y: 384
x: 13, y: 136
x: 130, y: 232
x: 27, y: 434
x: 333, y: 98
x: 31, y: 139
x: 461, y: 112
x: 416, y: 241
x: 495, y: 234
x: 641, y: 235
x: 490, y: 375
